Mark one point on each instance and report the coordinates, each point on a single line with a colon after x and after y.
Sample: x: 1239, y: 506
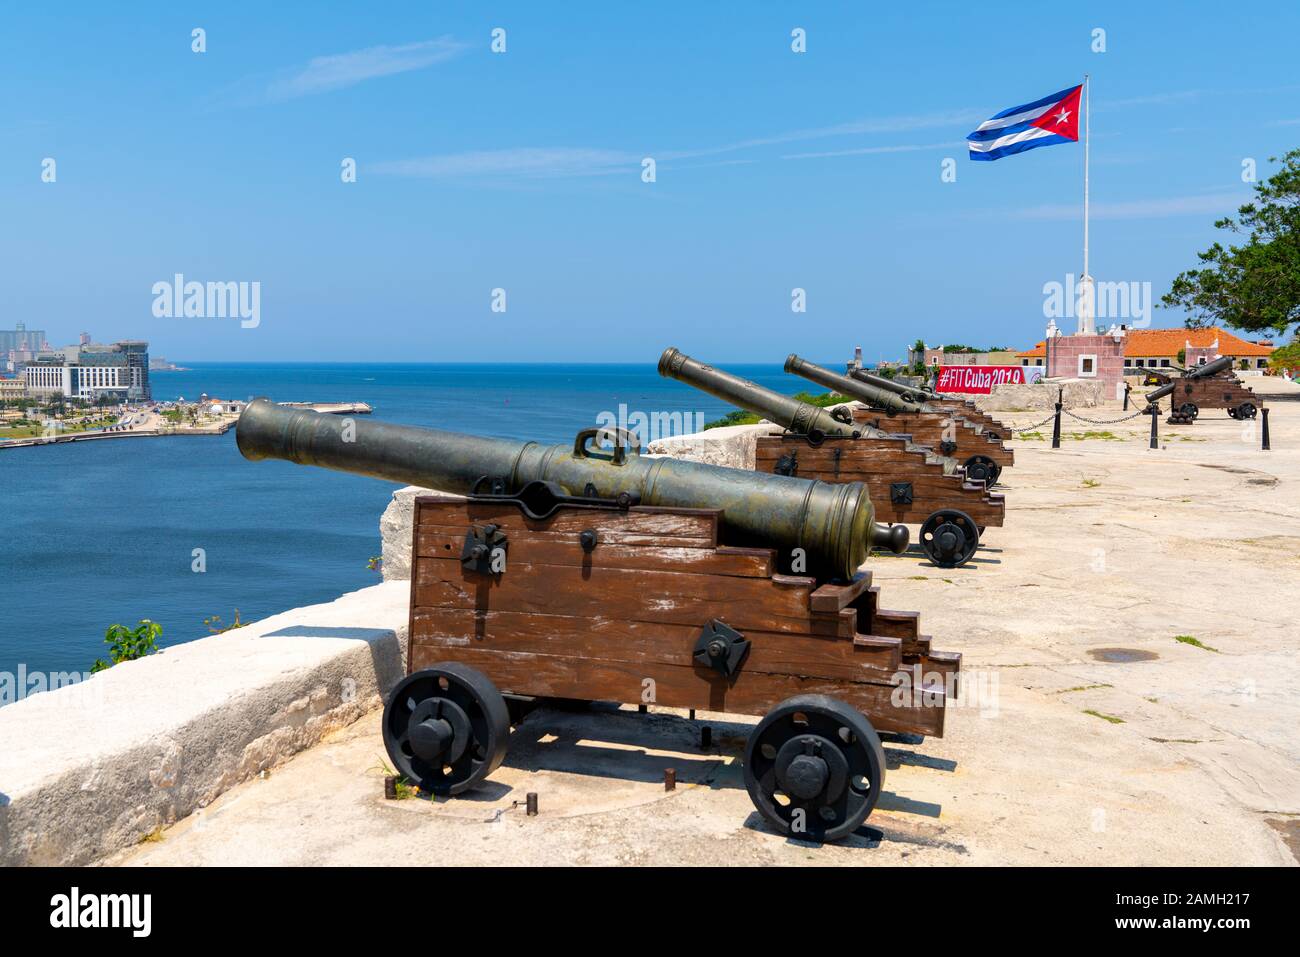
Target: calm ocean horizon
x: 99, y: 533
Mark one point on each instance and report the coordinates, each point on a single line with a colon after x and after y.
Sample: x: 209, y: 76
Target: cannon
x: 935, y: 400
x: 1208, y: 386
x: 568, y: 574
x: 980, y: 452
x: 909, y: 483
x: 792, y: 414
x: 833, y: 523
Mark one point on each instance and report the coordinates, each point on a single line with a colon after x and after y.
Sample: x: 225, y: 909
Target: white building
x: 120, y: 371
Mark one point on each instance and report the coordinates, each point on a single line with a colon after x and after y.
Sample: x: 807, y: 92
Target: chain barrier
x: 1035, y: 426
x: 1104, y: 421
x: 1038, y: 425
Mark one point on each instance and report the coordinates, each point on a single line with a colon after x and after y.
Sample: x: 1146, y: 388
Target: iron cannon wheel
x: 1246, y: 410
x: 446, y: 728
x: 981, y: 468
x: 1189, y: 409
x: 814, y: 767
x: 949, y: 537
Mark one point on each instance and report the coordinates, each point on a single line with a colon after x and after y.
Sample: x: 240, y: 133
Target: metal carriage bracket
x: 537, y: 501
x: 721, y: 648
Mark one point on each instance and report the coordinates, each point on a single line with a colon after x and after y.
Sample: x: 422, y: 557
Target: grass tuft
x: 1195, y: 643
x: 1104, y: 717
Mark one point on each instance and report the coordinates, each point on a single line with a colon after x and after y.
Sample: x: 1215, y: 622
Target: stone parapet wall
x: 94, y: 767
x: 1078, y: 394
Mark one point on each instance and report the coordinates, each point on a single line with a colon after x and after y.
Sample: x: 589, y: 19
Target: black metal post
x: 1155, y: 426
x: 1056, y: 423
x: 1127, y: 389
x: 1264, y: 433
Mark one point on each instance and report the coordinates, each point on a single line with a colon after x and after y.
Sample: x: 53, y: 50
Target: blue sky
x: 522, y: 171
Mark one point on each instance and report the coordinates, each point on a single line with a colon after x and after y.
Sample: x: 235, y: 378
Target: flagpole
x: 1086, y: 121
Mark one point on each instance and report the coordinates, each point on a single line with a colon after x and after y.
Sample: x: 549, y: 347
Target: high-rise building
x: 21, y: 339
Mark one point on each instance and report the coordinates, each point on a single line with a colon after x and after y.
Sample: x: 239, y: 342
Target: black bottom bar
x: 308, y: 905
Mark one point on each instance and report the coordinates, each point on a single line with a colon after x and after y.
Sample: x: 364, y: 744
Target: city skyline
x: 486, y: 178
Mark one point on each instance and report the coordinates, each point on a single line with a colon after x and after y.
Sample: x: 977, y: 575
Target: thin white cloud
x: 1198, y: 204
x: 533, y: 162
x: 522, y: 162
x: 338, y: 71
x: 888, y: 124
x: 873, y: 150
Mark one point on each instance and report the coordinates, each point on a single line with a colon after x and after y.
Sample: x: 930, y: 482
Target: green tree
x: 1254, y: 286
x: 1286, y: 357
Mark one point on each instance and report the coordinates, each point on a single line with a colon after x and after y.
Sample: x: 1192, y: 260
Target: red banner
x: 980, y: 380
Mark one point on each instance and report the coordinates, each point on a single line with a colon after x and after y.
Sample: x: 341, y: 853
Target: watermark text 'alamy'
x: 179, y: 299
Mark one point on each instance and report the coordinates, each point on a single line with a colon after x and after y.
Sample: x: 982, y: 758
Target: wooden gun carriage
x: 980, y: 452
x: 597, y: 601
x: 905, y: 485
x: 883, y: 401
x: 933, y: 401
x: 968, y: 410
x: 645, y: 588
x: 1224, y: 391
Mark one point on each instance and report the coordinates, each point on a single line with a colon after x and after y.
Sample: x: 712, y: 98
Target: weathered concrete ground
x: 1098, y: 737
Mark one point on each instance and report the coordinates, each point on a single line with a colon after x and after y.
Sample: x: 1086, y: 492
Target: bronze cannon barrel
x: 790, y: 413
x: 833, y: 523
x: 906, y: 393
x: 1211, y: 368
x: 850, y: 388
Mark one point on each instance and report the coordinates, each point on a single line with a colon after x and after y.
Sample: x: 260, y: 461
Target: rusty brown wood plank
x: 675, y: 686
x: 444, y: 543
x: 636, y: 642
x: 780, y: 603
x: 836, y: 595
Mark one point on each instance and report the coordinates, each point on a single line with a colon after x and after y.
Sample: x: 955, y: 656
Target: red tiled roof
x: 1166, y: 343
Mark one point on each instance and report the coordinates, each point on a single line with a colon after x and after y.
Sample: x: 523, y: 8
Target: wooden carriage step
x: 930, y: 429
x: 836, y: 595
x: 947, y: 663
x: 880, y: 621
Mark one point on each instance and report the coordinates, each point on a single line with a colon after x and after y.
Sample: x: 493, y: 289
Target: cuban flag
x: 1046, y: 122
